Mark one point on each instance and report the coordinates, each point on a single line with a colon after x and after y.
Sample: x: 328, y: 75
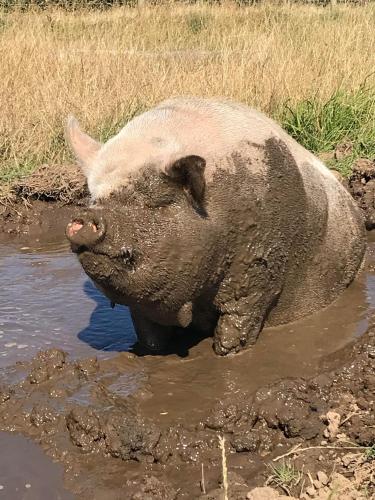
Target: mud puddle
x: 194, y: 384
x: 149, y: 422
x: 47, y: 301
x: 26, y: 473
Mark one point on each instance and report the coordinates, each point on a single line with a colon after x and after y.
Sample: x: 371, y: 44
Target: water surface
x: 46, y: 300
x: 26, y: 473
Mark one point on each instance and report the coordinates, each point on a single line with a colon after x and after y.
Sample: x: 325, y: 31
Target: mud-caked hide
x: 206, y: 214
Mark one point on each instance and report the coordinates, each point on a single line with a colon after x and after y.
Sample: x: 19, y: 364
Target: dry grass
x: 106, y: 66
x: 224, y: 467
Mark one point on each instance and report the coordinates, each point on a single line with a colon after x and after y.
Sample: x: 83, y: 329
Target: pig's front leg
x: 239, y: 323
x: 244, y: 300
x: 234, y: 333
x: 151, y: 335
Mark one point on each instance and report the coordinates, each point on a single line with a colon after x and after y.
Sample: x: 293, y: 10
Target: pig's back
x: 219, y: 128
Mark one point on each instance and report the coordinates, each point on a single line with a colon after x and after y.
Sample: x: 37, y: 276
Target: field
x: 309, y: 67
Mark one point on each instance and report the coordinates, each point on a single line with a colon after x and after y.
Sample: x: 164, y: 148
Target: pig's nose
x: 85, y: 230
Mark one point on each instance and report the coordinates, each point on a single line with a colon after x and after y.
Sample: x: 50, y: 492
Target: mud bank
x: 76, y: 411
x: 35, y: 218
x: 43, y: 201
x: 361, y: 185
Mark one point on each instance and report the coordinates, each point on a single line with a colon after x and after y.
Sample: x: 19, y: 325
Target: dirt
x: 35, y: 204
x: 50, y: 183
x: 108, y: 431
x: 362, y: 187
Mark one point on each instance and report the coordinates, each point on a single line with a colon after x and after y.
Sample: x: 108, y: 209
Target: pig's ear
x: 83, y: 146
x: 189, y: 172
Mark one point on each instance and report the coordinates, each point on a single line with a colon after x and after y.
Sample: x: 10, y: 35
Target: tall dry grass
x: 106, y: 66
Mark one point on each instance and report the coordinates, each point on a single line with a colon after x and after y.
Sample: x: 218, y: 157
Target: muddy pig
x: 206, y: 213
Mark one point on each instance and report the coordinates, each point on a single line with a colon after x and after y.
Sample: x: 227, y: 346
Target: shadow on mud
x: 118, y: 334
x: 180, y: 345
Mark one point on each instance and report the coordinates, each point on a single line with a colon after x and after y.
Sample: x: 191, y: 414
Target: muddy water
x: 46, y: 300
x: 182, y: 387
x: 26, y: 473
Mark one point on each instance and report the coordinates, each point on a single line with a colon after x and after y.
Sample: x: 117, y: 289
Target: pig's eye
x: 156, y: 190
x: 161, y: 200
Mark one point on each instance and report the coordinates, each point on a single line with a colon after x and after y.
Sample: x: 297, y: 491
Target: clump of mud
x: 362, y: 187
x: 41, y: 199
x: 64, y: 183
x: 324, y: 427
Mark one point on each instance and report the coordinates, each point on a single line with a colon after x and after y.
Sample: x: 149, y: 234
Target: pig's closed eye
x: 157, y: 190
x: 161, y: 200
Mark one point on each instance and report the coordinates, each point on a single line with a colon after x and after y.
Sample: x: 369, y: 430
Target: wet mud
x: 150, y: 424
x: 82, y: 416
x: 33, y: 219
x: 361, y: 185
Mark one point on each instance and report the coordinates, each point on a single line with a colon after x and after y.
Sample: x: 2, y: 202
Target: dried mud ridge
x: 362, y: 187
x: 33, y: 203
x: 73, y: 410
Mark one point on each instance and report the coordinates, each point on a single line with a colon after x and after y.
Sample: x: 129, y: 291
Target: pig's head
x: 146, y: 239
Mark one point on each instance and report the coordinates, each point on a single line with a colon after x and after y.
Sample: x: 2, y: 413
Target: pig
x: 205, y: 213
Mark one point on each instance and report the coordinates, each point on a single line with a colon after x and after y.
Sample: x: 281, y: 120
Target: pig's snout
x: 85, y: 231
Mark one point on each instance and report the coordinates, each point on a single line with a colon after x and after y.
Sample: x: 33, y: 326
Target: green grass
x: 15, y: 170
x: 370, y: 453
x: 284, y: 475
x: 321, y: 126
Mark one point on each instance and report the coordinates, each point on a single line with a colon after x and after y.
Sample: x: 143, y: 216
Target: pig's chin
x: 106, y: 271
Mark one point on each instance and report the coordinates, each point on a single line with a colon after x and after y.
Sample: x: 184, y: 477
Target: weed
x: 370, y: 453
x: 224, y: 466
x: 16, y: 170
x: 284, y: 475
